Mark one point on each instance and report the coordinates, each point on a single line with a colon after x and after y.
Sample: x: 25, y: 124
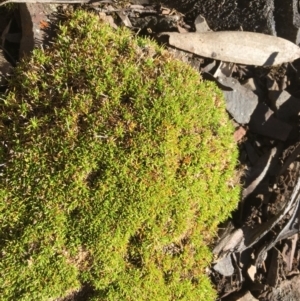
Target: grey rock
x: 224, y: 266
x: 253, y: 85
x: 240, y: 102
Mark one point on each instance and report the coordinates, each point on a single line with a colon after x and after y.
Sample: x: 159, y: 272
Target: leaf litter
x: 258, y: 254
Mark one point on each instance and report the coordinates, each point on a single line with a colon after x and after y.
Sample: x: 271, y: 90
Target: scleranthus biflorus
x: 118, y: 161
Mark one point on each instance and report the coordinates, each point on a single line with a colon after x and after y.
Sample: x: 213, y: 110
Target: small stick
x: 45, y: 1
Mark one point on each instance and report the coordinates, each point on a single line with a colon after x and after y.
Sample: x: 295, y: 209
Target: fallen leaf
x: 224, y: 70
x: 201, y: 24
x: 288, y: 252
x: 241, y: 47
x: 239, y: 134
x: 239, y: 240
x: 44, y: 24
x: 259, y: 171
x: 123, y: 16
x: 252, y: 272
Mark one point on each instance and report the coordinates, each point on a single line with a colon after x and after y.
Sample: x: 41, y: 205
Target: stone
x: 287, y: 20
x: 253, y: 85
x: 5, y: 69
x: 240, y: 102
x: 252, y: 154
x: 224, y: 266
x: 264, y: 122
x: 286, y: 104
x: 254, y: 15
x: 35, y: 19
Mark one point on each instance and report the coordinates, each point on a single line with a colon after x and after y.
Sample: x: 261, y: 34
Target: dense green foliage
x: 117, y: 168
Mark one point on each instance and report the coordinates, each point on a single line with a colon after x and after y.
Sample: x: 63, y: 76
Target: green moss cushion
x: 118, y: 164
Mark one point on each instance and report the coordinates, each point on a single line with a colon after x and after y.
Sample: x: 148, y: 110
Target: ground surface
x: 269, y: 160
x: 230, y: 15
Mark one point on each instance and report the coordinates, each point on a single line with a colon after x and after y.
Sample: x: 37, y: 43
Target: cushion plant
x: 117, y: 164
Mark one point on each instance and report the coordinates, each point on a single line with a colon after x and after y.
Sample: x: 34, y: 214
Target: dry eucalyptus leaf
x: 123, y: 16
x: 201, y: 24
x: 252, y: 272
x: 288, y: 252
x: 241, y: 47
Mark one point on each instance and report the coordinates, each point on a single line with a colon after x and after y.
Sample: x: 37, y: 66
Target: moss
x: 117, y: 168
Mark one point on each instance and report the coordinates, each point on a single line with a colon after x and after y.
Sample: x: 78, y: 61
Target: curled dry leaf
x: 241, y: 47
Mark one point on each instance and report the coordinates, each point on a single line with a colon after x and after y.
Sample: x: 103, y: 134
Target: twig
x: 46, y: 1
x: 137, y: 10
x: 243, y: 238
x: 134, y: 10
x: 7, y: 53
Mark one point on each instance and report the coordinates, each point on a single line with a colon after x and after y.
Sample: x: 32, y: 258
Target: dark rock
x: 5, y: 69
x: 141, y: 2
x: 286, y: 104
x: 264, y: 122
x: 242, y: 296
x: 35, y: 20
x: 287, y: 19
x: 11, y: 36
x: 272, y: 278
x: 252, y: 154
x: 155, y: 23
x: 254, y: 15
